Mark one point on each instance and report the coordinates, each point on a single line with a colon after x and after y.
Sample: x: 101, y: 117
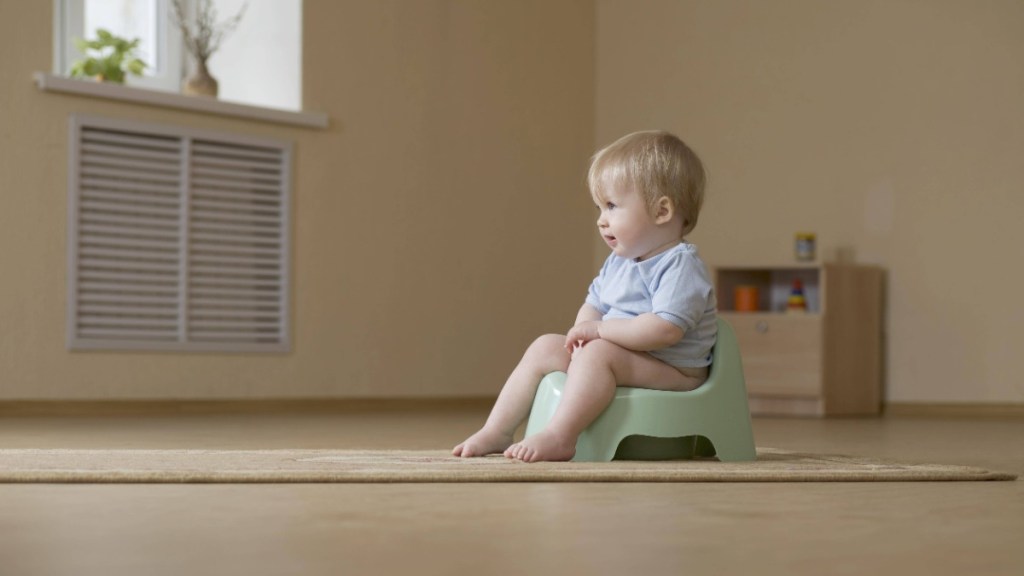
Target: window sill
x: 53, y: 83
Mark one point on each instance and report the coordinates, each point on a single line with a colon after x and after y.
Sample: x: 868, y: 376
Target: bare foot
x: 543, y: 446
x: 483, y: 443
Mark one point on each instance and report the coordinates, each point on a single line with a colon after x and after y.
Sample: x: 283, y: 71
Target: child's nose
x: 601, y: 221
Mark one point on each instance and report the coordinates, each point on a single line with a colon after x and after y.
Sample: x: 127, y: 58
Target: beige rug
x: 362, y: 466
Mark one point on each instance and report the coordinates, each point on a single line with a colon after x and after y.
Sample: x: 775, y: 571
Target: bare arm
x: 588, y: 313
x: 644, y: 333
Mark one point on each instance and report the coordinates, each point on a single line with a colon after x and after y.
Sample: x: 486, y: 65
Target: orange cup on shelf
x: 745, y: 298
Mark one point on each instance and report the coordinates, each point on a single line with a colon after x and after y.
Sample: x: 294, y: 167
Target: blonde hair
x: 655, y: 164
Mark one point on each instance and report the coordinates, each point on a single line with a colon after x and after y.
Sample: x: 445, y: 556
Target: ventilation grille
x: 178, y: 239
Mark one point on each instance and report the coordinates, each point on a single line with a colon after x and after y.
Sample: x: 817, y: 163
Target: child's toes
x: 521, y: 453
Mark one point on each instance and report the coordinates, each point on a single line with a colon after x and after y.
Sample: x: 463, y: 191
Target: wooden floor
x: 622, y: 529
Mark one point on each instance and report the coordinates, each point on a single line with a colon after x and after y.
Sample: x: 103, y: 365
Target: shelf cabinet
x: 826, y: 360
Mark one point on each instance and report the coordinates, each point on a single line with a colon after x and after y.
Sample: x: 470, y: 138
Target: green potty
x: 642, y: 424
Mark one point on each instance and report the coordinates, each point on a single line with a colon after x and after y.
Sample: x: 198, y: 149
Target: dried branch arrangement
x: 204, y: 36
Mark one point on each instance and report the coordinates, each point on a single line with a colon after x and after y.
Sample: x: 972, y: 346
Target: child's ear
x: 664, y: 210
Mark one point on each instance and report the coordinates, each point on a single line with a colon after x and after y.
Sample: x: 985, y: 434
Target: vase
x: 200, y: 83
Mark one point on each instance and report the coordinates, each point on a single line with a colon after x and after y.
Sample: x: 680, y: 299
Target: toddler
x: 649, y: 317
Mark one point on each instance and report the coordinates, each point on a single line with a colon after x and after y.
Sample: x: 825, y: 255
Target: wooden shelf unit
x: 826, y: 361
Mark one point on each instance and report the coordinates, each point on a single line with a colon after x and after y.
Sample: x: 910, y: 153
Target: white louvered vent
x: 178, y: 239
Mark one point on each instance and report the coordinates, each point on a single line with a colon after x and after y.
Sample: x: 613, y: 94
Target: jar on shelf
x: 745, y: 298
x: 804, y: 247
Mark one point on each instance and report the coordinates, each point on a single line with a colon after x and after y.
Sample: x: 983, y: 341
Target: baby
x: 649, y: 317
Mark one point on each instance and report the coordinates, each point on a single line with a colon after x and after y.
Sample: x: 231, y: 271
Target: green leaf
x: 109, y: 55
x: 136, y: 66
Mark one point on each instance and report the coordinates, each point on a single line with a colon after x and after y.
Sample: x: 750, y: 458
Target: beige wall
x: 892, y: 129
x: 440, y: 223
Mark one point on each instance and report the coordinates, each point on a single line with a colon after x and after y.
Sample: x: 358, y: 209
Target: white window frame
x: 69, y: 23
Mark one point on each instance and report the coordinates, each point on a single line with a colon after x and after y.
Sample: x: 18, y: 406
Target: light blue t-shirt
x: 675, y: 286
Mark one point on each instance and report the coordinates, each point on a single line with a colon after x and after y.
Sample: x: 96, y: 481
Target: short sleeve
x: 681, y: 290
x: 594, y: 292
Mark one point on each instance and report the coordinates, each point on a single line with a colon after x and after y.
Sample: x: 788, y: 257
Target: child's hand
x: 582, y: 333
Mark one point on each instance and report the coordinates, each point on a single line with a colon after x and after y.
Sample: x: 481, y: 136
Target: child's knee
x: 548, y: 343
x: 550, y: 351
x: 596, y: 351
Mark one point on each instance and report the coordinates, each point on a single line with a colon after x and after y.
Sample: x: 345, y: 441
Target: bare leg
x: 595, y: 371
x: 546, y: 354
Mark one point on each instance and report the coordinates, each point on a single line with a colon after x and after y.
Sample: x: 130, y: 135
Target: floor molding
x: 955, y: 410
x: 14, y: 408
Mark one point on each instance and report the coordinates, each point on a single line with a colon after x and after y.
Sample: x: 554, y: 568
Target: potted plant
x: 108, y: 58
x: 202, y: 38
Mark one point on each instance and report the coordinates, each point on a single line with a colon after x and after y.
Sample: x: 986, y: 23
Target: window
x: 178, y: 239
x: 148, y: 20
x: 269, y: 37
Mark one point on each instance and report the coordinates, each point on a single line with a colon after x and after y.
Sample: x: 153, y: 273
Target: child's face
x: 628, y: 227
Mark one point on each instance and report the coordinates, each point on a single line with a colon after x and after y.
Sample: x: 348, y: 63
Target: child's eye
x: 610, y: 205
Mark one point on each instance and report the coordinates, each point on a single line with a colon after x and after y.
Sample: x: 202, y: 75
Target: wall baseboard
x: 954, y: 410
x: 15, y: 408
